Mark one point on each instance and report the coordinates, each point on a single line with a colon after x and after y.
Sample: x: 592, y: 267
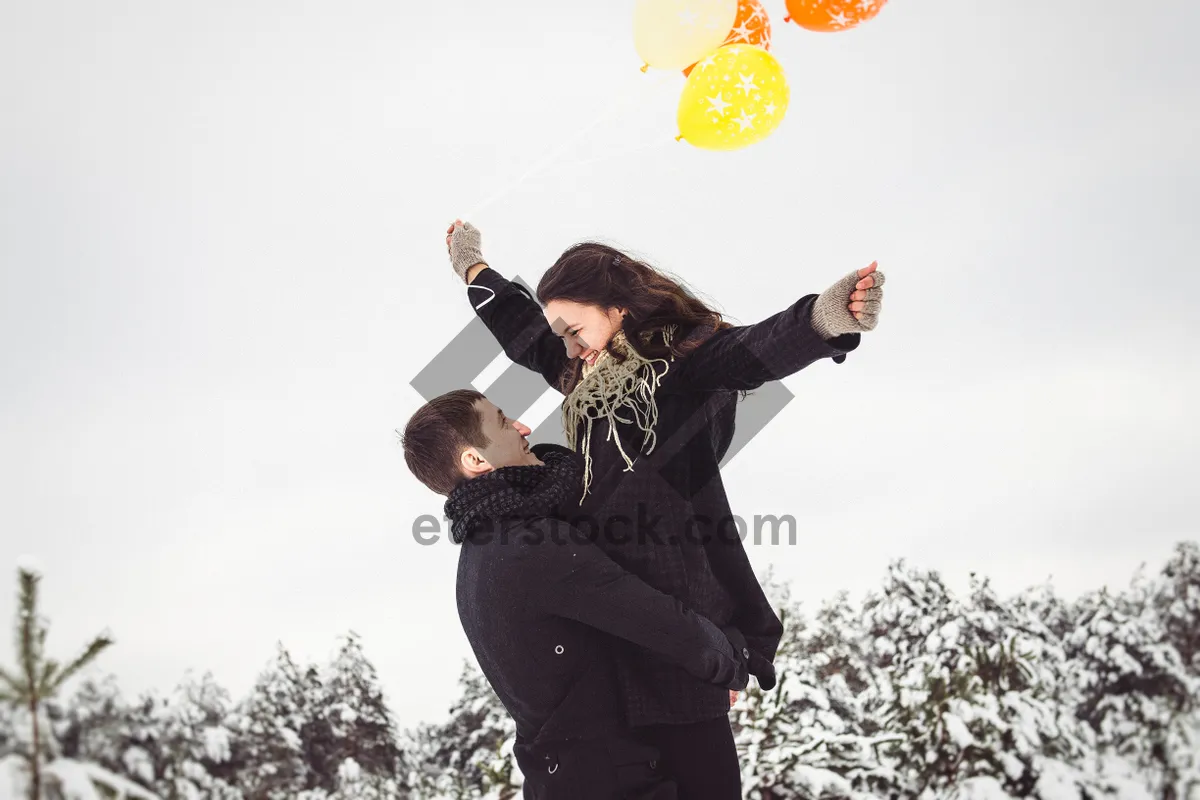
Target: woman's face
x: 585, y: 329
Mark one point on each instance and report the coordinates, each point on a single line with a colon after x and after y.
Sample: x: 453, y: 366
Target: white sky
x: 222, y: 264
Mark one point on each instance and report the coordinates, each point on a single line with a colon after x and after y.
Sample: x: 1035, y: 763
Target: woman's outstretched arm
x: 745, y: 357
x: 510, y: 313
x: 517, y: 322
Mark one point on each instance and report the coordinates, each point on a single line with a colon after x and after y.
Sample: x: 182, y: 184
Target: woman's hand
x: 851, y: 305
x: 864, y: 301
x: 732, y: 697
x: 464, y: 243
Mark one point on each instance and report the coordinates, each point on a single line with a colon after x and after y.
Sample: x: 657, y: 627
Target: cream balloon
x: 673, y: 34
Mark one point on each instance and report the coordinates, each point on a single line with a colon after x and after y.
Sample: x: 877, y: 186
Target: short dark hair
x: 436, y: 435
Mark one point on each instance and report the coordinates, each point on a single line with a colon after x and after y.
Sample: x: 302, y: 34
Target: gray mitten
x: 830, y: 315
x: 465, y: 249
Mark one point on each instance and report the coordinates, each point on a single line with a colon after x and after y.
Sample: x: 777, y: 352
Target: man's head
x: 461, y: 434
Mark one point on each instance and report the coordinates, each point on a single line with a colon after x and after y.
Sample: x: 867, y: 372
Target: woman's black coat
x: 668, y: 520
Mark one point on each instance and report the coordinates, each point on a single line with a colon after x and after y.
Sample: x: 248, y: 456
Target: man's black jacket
x: 540, y: 606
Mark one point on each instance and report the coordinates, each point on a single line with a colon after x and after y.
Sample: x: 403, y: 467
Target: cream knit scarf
x: 607, y: 388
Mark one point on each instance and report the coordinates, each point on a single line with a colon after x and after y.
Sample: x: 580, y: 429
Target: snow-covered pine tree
x: 359, y: 724
x: 810, y: 737
x: 317, y: 742
x: 8, y: 736
x: 422, y: 744
x: 37, y: 678
x: 765, y: 723
x: 1020, y: 668
x: 95, y: 724
x: 196, y: 743
x: 973, y: 690
x: 912, y: 625
x: 355, y: 783
x: 270, y: 751
x: 1177, y: 602
x: 470, y: 755
x: 842, y: 662
x: 145, y: 756
x: 1040, y: 602
x: 1134, y: 691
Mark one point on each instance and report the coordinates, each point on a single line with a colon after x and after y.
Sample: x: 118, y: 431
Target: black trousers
x: 700, y: 756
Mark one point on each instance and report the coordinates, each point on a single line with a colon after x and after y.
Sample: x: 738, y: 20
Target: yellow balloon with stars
x: 732, y: 99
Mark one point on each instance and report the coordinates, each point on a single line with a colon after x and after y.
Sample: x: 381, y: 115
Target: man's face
x: 508, y: 446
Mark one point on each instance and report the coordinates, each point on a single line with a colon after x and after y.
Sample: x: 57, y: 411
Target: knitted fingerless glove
x: 465, y: 249
x: 830, y: 315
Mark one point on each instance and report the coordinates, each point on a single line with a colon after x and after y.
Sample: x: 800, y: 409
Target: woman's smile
x: 591, y: 358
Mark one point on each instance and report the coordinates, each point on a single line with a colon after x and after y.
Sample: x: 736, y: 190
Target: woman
x: 651, y: 377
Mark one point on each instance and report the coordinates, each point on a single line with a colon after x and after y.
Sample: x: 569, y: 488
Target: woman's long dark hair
x: 596, y: 274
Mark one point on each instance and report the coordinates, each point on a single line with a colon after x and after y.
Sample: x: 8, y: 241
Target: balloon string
x: 658, y: 142
x: 552, y: 156
x: 621, y: 99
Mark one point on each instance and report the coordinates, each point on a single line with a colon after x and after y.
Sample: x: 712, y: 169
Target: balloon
x: 734, y: 98
x: 831, y: 15
x: 750, y: 27
x: 670, y: 34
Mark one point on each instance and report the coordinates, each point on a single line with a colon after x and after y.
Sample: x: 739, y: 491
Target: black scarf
x: 518, y: 492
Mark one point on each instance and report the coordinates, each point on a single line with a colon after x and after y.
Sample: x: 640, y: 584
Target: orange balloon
x: 831, y: 15
x: 750, y: 27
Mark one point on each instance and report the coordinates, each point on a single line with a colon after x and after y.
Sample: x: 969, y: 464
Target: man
x: 539, y: 603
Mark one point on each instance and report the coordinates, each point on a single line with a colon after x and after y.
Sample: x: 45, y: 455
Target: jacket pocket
x: 637, y: 771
